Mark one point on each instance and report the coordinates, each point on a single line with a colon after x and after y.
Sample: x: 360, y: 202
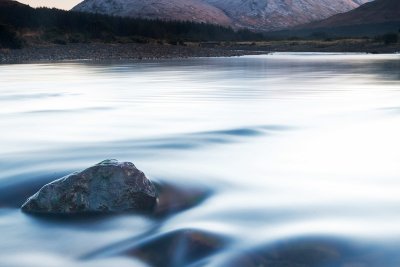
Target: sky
x: 61, y: 4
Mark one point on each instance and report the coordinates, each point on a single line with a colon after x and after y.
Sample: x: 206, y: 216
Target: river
x: 288, y: 159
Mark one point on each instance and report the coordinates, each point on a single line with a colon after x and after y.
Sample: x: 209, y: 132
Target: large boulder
x: 107, y: 187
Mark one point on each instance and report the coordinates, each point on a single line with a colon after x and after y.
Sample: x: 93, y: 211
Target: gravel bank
x: 134, y: 51
x: 101, y: 52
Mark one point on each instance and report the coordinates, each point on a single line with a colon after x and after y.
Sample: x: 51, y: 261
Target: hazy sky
x: 62, y: 4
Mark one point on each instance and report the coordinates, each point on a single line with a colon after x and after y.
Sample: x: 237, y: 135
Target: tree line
x: 79, y: 27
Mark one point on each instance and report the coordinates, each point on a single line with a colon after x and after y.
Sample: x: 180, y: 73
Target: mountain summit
x: 262, y: 15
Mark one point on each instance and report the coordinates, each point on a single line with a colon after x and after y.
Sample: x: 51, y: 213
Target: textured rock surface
x: 107, y: 187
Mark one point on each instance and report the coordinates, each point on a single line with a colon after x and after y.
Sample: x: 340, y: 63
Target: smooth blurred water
x: 298, y: 153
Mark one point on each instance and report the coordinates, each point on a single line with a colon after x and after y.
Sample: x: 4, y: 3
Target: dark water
x: 279, y: 160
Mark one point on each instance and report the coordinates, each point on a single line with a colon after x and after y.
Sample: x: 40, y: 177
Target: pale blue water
x: 298, y: 156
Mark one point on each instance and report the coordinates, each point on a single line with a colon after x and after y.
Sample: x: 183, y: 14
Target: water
x: 279, y: 160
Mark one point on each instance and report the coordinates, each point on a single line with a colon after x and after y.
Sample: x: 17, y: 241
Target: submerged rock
x: 301, y: 252
x: 183, y: 247
x: 174, y: 197
x: 107, y: 187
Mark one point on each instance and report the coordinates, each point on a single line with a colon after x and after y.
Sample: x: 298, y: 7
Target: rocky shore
x: 102, y: 52
x: 137, y: 51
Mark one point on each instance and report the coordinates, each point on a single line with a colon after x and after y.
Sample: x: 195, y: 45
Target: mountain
x: 182, y: 10
x: 10, y: 3
x: 22, y: 25
x: 261, y: 15
x: 379, y: 11
x: 371, y: 19
x: 279, y: 14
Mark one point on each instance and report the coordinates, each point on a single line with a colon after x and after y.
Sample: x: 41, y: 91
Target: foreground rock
x: 108, y: 187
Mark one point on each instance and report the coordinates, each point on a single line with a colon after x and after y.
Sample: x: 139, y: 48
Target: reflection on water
x: 278, y: 160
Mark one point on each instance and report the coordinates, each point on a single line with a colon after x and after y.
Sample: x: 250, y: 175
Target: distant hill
x: 21, y: 24
x: 270, y: 15
x: 9, y: 18
x: 374, y: 18
x: 182, y: 10
x: 9, y: 3
x: 259, y: 15
x: 379, y: 11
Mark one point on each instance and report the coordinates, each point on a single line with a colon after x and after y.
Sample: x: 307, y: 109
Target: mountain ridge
x: 258, y: 15
x: 372, y: 19
x: 279, y: 14
x: 187, y: 10
x: 378, y: 11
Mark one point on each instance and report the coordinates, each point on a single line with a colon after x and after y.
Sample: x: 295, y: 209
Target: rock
x: 301, y: 252
x: 173, y: 198
x: 107, y: 187
x: 183, y: 247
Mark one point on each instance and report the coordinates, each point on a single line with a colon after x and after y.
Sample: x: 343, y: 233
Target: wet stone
x: 181, y: 247
x: 303, y: 252
x: 107, y: 187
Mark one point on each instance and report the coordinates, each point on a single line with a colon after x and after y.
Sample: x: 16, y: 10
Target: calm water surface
x: 292, y: 159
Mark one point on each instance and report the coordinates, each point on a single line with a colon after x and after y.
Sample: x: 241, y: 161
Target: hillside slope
x: 182, y: 10
x: 379, y: 11
x: 10, y: 4
x: 279, y: 14
x: 22, y: 25
x: 369, y: 20
x: 260, y: 15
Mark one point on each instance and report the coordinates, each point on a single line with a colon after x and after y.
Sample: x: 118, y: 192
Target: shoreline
x: 97, y: 52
